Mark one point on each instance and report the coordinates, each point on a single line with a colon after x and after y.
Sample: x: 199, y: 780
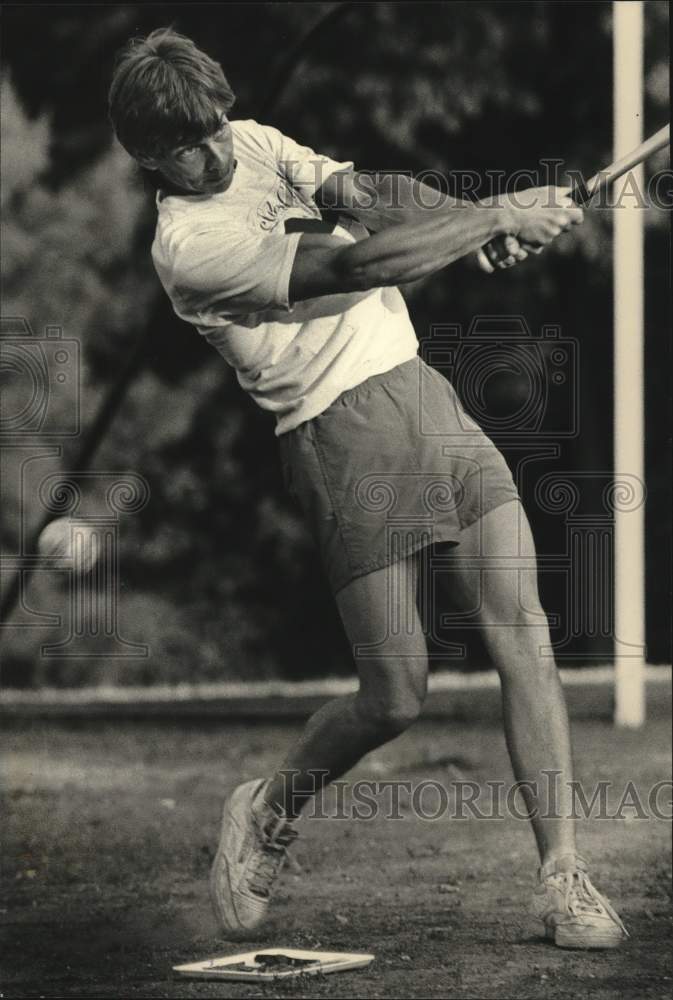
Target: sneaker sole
x: 226, y: 914
x: 565, y: 937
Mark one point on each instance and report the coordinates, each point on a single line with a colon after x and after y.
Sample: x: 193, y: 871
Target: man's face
x: 206, y: 167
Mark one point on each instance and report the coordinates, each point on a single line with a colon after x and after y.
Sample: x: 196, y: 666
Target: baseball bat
x: 582, y: 193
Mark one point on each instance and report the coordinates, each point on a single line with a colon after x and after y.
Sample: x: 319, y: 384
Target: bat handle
x: 580, y: 193
x: 496, y: 248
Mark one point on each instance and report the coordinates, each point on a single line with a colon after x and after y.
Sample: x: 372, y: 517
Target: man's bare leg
x: 379, y: 611
x: 391, y: 692
x: 393, y: 684
x: 514, y: 627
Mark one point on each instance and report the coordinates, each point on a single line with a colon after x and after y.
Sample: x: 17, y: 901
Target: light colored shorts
x: 391, y: 466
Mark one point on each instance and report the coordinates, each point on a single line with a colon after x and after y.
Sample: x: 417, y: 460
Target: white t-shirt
x: 225, y: 261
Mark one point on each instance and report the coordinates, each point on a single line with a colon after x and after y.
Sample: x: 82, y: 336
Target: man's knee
x: 391, y: 719
x: 389, y: 713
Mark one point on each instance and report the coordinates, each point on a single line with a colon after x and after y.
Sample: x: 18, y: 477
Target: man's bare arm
x: 398, y: 254
x: 382, y: 200
x: 326, y: 265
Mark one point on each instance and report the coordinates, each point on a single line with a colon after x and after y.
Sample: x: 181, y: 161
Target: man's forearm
x: 412, y: 250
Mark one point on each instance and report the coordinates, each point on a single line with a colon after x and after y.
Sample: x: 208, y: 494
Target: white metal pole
x: 629, y: 388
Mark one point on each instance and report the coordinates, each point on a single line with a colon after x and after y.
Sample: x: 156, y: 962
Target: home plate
x: 274, y: 963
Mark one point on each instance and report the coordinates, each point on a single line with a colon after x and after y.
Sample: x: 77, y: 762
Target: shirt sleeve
x: 305, y: 169
x: 215, y: 278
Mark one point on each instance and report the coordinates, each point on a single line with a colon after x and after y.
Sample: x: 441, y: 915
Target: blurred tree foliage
x: 219, y: 576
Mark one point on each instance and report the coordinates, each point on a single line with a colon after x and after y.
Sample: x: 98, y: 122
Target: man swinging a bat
x: 309, y: 314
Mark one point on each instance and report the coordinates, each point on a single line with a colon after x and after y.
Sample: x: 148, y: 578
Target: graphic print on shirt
x: 274, y: 206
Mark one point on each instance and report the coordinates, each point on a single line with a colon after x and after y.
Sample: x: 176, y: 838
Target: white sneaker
x: 250, y: 856
x: 573, y: 912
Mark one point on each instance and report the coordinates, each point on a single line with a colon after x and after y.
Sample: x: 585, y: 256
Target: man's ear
x: 148, y: 162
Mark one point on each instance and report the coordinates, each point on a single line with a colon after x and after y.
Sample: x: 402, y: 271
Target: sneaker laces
x: 582, y: 898
x: 270, y: 855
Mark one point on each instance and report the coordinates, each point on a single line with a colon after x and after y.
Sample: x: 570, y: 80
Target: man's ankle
x: 567, y: 859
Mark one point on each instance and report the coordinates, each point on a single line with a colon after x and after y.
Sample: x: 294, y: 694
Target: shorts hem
x: 496, y: 502
x: 449, y: 535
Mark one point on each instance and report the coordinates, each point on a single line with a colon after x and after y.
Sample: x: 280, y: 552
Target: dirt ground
x: 109, y: 831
